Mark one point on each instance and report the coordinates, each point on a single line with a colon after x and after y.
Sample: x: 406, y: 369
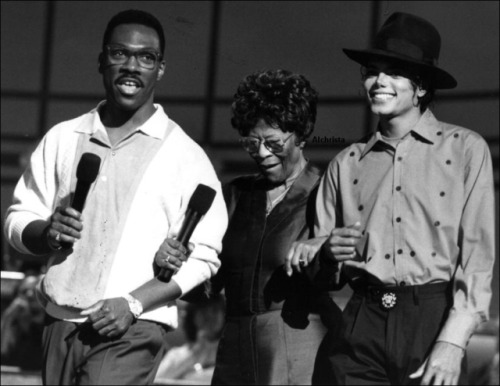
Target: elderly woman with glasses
x: 273, y: 323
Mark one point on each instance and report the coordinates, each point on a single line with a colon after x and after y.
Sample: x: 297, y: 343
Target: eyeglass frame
x: 135, y: 53
x: 265, y: 142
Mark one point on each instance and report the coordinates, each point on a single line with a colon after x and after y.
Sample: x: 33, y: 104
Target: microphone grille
x: 202, y: 199
x: 88, y: 167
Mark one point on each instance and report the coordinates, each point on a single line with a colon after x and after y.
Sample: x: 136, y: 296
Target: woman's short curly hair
x: 281, y: 98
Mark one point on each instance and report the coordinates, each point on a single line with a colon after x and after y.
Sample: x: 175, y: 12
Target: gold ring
x: 58, y: 237
x: 167, y: 259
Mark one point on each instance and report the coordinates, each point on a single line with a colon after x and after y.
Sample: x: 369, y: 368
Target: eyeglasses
x: 252, y: 144
x: 145, y: 58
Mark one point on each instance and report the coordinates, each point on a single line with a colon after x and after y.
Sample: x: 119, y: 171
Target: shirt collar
x: 155, y: 126
x: 424, y: 130
x: 426, y: 127
x: 371, y: 142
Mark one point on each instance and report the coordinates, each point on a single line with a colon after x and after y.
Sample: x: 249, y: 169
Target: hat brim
x: 441, y: 79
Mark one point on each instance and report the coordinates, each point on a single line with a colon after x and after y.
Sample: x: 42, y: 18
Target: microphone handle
x: 81, y: 192
x: 165, y: 275
x: 184, y: 235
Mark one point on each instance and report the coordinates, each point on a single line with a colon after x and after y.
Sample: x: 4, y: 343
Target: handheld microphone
x: 198, y: 206
x: 86, y: 173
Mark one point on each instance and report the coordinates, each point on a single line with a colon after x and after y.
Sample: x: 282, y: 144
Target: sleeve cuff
x: 458, y: 329
x: 15, y: 233
x: 196, y: 270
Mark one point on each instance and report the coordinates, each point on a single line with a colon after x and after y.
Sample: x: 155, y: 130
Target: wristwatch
x: 134, y: 305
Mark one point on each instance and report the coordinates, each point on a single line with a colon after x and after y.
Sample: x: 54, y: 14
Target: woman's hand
x: 302, y: 253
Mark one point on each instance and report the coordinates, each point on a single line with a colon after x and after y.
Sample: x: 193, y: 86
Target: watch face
x: 134, y: 310
x: 135, y: 306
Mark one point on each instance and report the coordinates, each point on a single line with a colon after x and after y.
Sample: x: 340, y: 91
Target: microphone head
x: 88, y: 168
x: 202, y: 199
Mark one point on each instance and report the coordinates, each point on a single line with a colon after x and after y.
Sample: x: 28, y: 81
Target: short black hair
x: 134, y: 16
x: 419, y: 78
x: 283, y: 99
x: 426, y: 100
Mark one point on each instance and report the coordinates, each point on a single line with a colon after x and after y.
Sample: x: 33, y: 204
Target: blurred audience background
x: 194, y: 361
x: 22, y: 327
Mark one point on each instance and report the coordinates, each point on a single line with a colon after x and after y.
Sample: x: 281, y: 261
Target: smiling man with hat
x: 407, y: 217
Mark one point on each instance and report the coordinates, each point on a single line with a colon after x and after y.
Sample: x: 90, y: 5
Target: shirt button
x: 442, y: 194
x: 456, y: 135
x: 360, y: 207
x: 355, y: 182
x: 369, y: 258
x: 387, y: 256
x: 398, y: 219
x: 412, y: 253
x: 400, y: 158
x: 400, y: 251
x: 433, y: 254
x: 437, y: 223
x: 448, y: 162
x: 439, y: 133
x: 104, y: 178
x: 352, y: 154
x: 113, y: 153
x: 398, y: 188
x: 402, y: 284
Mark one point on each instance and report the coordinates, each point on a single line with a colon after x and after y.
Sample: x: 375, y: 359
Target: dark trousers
x: 383, y: 346
x: 75, y: 354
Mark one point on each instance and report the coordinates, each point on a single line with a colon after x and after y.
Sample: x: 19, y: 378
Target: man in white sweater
x: 107, y: 313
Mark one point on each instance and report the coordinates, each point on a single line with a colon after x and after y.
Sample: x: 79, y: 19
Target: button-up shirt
x: 426, y: 206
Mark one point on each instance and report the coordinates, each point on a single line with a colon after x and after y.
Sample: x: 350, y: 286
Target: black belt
x: 389, y: 297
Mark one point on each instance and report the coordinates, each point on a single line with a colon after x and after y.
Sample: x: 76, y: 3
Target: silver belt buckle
x: 388, y: 300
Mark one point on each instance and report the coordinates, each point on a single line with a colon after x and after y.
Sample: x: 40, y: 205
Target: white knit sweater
x: 165, y: 189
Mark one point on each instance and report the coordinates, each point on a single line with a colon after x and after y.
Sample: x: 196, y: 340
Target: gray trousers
x: 75, y: 354
x: 264, y: 350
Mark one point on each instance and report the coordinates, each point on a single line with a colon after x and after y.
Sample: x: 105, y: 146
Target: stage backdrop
x: 49, y: 53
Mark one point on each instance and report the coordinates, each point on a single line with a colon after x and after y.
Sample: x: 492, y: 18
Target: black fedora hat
x: 408, y: 39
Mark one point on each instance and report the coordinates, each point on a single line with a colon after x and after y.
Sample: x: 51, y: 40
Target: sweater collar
x: 155, y: 126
